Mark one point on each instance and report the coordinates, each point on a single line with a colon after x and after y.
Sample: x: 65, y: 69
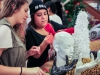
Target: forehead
x: 26, y: 5
x: 69, y: 42
x: 41, y: 10
x: 64, y: 38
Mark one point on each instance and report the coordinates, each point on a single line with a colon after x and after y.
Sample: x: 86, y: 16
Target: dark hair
x: 10, y: 6
x: 52, y: 6
x: 34, y: 7
x: 32, y: 23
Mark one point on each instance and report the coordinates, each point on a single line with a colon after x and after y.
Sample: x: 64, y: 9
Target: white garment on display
x: 55, y: 18
x: 63, y: 44
x: 6, y: 38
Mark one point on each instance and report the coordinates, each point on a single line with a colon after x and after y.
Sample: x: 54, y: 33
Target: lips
x: 25, y: 19
x: 44, y: 21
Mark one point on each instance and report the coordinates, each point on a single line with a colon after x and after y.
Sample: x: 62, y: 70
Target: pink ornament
x: 67, y: 11
x: 78, y: 3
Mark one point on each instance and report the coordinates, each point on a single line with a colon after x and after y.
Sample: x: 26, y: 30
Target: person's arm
x: 42, y: 46
x: 57, y: 26
x: 1, y: 50
x: 30, y: 42
x: 37, y: 51
x: 5, y: 70
x: 48, y: 40
x: 5, y: 38
x: 34, y: 50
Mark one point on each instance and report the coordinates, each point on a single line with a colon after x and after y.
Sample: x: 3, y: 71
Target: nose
x: 27, y: 15
x: 43, y: 16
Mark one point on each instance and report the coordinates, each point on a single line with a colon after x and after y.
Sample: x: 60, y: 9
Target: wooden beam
x: 92, y: 10
x: 91, y: 1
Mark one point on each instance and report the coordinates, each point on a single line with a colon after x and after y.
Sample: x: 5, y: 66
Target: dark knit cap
x: 35, y: 6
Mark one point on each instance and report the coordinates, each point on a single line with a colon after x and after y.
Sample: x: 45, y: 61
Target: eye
x: 38, y: 14
x: 26, y: 10
x: 45, y: 13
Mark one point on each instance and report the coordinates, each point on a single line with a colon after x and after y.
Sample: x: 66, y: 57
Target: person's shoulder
x: 4, y: 28
x: 1, y: 25
x: 28, y: 29
x: 57, y: 16
x: 6, y: 39
x: 54, y: 23
x: 5, y: 31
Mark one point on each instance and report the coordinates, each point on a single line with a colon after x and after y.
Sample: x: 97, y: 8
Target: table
x: 95, y: 45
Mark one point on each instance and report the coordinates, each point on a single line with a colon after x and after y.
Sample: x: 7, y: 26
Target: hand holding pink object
x: 48, y: 39
x: 34, y: 50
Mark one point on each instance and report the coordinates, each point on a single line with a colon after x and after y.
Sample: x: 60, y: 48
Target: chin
x: 43, y: 25
x: 22, y: 22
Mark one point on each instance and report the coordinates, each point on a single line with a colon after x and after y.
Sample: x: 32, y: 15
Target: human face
x: 21, y: 15
x: 41, y: 18
x: 67, y: 48
x: 63, y: 44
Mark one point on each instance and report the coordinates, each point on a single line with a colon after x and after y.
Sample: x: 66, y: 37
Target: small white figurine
x: 63, y: 45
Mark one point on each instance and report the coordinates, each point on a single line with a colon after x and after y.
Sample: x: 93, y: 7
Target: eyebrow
x: 38, y: 12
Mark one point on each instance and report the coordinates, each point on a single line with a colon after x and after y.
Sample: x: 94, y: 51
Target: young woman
x: 36, y: 35
x: 12, y: 49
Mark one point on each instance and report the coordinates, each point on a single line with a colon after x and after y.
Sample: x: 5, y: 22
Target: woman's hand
x: 32, y: 71
x: 48, y: 39
x: 34, y: 50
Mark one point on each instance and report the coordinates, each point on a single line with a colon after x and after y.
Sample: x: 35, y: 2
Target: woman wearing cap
x: 37, y: 35
x: 12, y: 49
